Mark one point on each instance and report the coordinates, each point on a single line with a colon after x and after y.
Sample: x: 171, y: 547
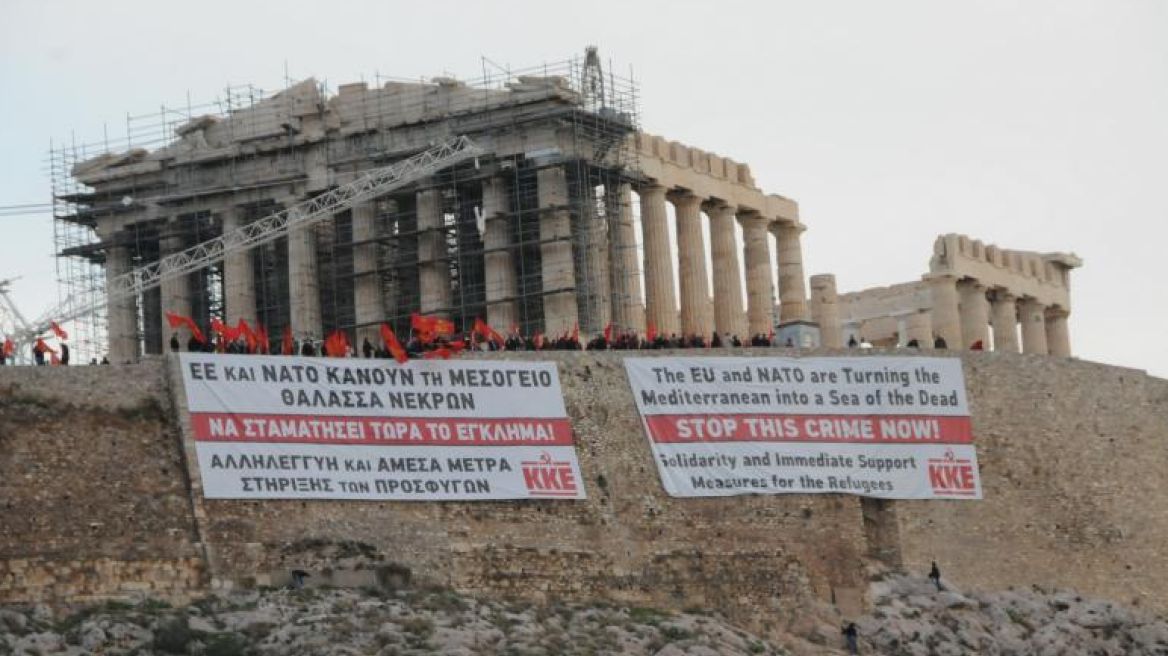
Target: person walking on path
x: 935, y: 574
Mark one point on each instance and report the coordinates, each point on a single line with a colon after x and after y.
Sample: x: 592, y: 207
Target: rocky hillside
x: 909, y: 618
x: 351, y: 623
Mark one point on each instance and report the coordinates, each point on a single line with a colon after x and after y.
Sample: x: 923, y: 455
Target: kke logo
x: 546, y: 478
x: 951, y: 476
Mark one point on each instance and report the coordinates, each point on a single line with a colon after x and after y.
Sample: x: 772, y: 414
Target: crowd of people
x: 469, y: 340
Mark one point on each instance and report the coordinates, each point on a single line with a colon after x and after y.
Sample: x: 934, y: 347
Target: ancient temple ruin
x: 541, y: 234
x: 970, y: 287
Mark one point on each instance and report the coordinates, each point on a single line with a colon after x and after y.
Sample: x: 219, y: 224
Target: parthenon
x: 969, y: 288
x: 538, y: 235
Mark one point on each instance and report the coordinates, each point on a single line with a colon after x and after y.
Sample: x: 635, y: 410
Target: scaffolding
x: 154, y: 207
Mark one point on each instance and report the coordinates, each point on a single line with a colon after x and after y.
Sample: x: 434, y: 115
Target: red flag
x: 337, y: 344
x: 651, y: 332
x: 488, y: 333
x: 43, y: 347
x: 608, y: 333
x: 9, y: 347
x: 286, y: 347
x: 576, y: 332
x: 245, y: 331
x: 443, y: 353
x: 263, y: 343
x: 392, y: 345
x: 176, y: 320
x: 225, y: 332
x: 58, y: 331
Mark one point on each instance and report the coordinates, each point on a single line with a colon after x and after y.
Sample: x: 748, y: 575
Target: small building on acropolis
x: 1008, y: 300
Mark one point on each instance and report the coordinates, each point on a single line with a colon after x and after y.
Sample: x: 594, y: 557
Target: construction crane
x: 368, y: 186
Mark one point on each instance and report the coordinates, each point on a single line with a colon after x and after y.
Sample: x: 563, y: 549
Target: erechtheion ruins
x: 969, y: 288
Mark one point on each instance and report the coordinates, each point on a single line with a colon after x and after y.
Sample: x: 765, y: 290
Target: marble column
x: 825, y: 311
x: 975, y: 314
x: 123, y: 313
x: 560, y: 314
x: 592, y: 289
x: 660, y: 296
x: 1005, y: 320
x: 919, y: 326
x: 729, y: 313
x: 239, y: 284
x: 175, y: 294
x: 433, y: 265
x: 368, y: 301
x: 693, y: 281
x: 1058, y: 338
x: 756, y: 254
x: 499, y: 263
x: 304, y: 284
x: 628, y: 313
x: 946, y: 313
x: 1032, y: 316
x: 792, y: 289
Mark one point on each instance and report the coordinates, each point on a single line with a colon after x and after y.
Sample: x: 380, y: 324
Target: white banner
x: 317, y: 428
x: 886, y: 427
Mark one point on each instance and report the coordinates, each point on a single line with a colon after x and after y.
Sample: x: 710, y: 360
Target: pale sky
x: 1040, y: 125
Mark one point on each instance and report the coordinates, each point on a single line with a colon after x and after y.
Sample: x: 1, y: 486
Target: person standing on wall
x: 935, y: 575
x: 852, y: 638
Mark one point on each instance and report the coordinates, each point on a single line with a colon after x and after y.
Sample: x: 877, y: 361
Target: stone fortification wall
x: 756, y: 558
x: 93, y: 496
x: 95, y: 502
x: 1072, y: 456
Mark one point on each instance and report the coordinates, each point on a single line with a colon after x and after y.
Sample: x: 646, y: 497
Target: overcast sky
x: 1032, y: 125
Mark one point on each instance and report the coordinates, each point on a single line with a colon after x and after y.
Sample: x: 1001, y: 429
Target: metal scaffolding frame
x: 597, y: 124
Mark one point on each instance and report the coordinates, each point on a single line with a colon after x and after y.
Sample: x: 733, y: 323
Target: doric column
x: 499, y: 264
x: 239, y: 290
x: 792, y: 289
x: 975, y: 313
x: 433, y: 267
x: 123, y: 313
x: 175, y: 294
x: 729, y: 315
x: 368, y: 301
x: 560, y: 314
x: 1005, y: 320
x: 660, y: 297
x: 946, y: 315
x: 825, y: 311
x: 303, y: 284
x: 592, y: 290
x: 693, y: 281
x: 760, y: 301
x: 628, y: 313
x: 1032, y: 316
x: 919, y: 326
x: 1058, y: 338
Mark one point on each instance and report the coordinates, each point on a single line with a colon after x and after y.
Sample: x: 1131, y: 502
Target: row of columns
x: 696, y: 312
x: 963, y: 312
x: 611, y: 261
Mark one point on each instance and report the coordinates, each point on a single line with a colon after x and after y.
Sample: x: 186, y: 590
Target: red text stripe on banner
x: 681, y: 429
x: 218, y: 427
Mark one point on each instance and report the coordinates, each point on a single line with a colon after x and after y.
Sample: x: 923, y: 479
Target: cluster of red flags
x: 429, y: 329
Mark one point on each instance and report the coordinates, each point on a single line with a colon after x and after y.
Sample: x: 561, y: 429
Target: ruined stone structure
x: 539, y: 234
x: 1070, y: 451
x: 970, y: 288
